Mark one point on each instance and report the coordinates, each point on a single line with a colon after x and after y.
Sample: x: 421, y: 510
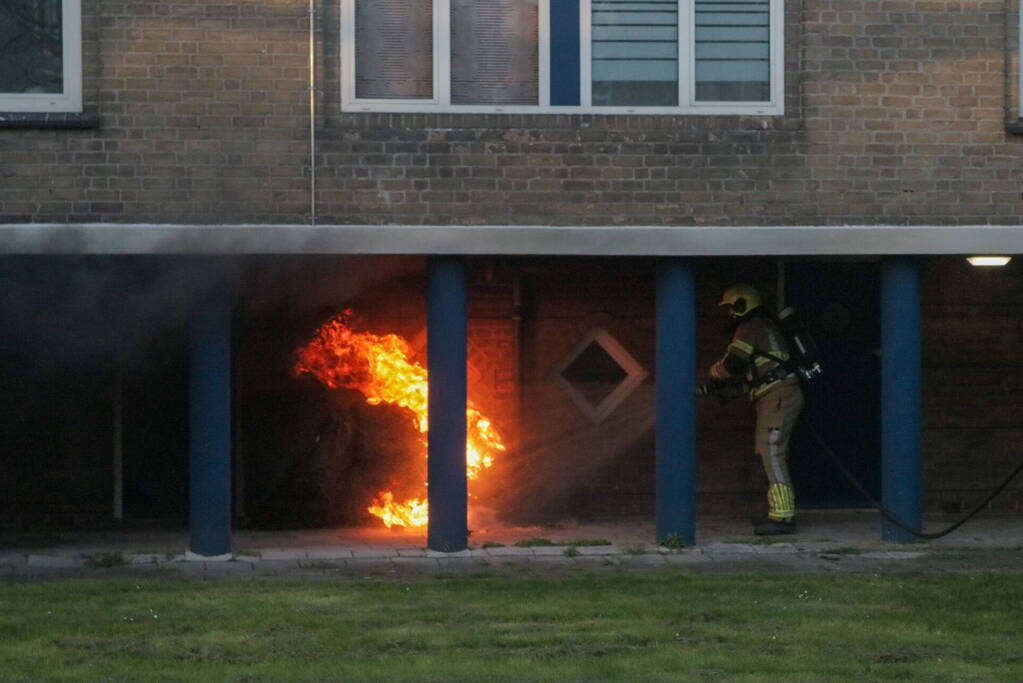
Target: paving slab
x: 285, y: 554
x: 439, y: 554
x: 275, y: 567
x: 374, y: 553
x: 330, y: 554
x: 509, y: 551
x: 370, y: 564
x: 54, y: 561
x: 421, y: 563
x: 598, y: 550
x: 686, y: 558
x: 828, y: 541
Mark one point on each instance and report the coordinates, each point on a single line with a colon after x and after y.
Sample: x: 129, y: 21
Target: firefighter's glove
x: 710, y: 388
x: 723, y: 391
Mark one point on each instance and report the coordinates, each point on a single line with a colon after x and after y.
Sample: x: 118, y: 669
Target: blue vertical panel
x: 446, y: 330
x: 209, y: 489
x: 900, y: 395
x: 565, y: 52
x: 676, y: 418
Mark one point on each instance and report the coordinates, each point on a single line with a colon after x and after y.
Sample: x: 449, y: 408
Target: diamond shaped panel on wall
x: 598, y: 374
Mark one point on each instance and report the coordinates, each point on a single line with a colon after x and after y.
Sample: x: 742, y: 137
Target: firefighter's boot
x: 781, y: 516
x: 775, y: 527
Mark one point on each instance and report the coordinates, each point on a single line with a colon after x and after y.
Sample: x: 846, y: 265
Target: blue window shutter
x: 565, y: 52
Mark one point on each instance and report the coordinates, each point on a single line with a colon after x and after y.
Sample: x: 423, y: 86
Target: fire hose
x: 887, y: 514
x: 711, y: 389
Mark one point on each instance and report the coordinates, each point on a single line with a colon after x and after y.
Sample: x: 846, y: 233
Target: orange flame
x: 382, y: 369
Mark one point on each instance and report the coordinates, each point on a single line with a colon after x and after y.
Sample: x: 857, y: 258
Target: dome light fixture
x: 988, y: 260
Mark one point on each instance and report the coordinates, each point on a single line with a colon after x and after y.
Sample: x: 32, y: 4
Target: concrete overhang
x: 118, y: 238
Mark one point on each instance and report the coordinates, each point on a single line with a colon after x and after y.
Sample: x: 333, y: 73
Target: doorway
x: 842, y: 299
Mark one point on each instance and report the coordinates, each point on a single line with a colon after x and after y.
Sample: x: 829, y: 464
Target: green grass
x: 674, y: 542
x: 534, y: 543
x: 579, y: 542
x: 658, y: 626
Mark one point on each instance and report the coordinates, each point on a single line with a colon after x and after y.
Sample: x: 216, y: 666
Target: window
x: 40, y: 56
x: 563, y: 56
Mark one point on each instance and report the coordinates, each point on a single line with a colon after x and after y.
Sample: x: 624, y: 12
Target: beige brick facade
x: 895, y: 114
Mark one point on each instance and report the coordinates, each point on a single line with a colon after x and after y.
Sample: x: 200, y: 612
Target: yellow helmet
x: 740, y: 299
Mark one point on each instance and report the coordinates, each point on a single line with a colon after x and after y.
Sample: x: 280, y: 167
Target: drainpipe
x: 780, y: 285
x: 118, y: 442
x: 312, y: 112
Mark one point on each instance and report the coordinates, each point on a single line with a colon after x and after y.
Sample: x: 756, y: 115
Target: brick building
x: 309, y: 157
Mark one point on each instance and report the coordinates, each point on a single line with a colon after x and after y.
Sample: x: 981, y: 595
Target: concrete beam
x: 509, y: 239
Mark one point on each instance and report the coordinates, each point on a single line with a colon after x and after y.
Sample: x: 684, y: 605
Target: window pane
x: 494, y: 52
x: 635, y: 53
x: 31, y: 46
x: 733, y: 51
x: 394, y: 49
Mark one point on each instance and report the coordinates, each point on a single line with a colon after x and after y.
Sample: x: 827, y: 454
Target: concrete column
x: 676, y: 418
x: 900, y: 395
x: 209, y: 489
x: 447, y: 337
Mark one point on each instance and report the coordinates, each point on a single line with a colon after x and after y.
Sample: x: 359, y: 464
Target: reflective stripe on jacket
x: 759, y: 333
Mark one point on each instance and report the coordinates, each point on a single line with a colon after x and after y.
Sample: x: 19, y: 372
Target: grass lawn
x: 663, y: 626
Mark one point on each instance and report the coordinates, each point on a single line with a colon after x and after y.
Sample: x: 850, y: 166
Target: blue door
x: 843, y: 300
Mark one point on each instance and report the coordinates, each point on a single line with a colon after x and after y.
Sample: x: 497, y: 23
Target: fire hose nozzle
x: 708, y: 388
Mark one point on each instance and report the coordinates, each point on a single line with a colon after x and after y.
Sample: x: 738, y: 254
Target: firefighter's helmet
x: 740, y: 299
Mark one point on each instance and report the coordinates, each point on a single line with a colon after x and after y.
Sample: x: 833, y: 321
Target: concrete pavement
x: 827, y: 541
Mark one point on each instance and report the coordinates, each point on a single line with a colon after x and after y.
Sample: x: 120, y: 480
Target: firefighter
x: 752, y: 360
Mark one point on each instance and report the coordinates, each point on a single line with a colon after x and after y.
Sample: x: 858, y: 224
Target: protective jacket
x: 751, y: 356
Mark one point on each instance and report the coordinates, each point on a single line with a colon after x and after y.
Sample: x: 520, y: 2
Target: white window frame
x: 441, y: 101
x: 69, y: 101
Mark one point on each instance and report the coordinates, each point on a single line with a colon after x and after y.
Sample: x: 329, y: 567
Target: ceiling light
x: 988, y: 260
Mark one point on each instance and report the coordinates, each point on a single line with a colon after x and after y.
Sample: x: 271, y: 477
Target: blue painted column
x: 676, y: 417
x: 446, y: 330
x: 900, y: 395
x: 209, y: 476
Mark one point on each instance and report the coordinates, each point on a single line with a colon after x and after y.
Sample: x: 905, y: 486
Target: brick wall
x: 895, y: 115
x: 973, y: 383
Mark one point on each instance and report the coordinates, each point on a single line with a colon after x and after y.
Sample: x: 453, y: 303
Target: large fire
x: 383, y: 370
